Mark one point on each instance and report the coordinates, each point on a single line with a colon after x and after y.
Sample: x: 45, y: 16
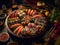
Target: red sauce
x: 3, y: 37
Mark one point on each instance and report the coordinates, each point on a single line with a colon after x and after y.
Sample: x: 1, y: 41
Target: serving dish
x: 3, y: 16
x: 4, y: 37
x: 26, y: 22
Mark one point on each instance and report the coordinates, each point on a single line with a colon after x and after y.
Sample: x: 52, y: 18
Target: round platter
x: 26, y: 23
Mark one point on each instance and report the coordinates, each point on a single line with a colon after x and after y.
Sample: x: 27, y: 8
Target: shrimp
x: 16, y: 29
x: 15, y: 25
x: 20, y: 29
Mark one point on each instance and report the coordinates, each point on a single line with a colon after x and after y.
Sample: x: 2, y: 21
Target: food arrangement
x: 26, y: 22
x: 29, y: 22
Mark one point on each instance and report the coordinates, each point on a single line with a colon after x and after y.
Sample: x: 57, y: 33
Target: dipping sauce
x: 4, y: 37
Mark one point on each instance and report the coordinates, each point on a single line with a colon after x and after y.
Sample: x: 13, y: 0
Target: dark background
x: 9, y: 2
